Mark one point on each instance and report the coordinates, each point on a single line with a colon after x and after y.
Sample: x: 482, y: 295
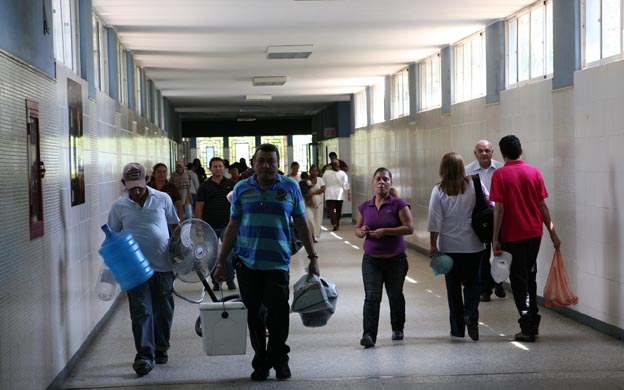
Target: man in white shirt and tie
x: 485, y: 166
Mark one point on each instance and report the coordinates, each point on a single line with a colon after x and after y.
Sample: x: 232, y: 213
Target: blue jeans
x: 151, y: 311
x: 229, y: 268
x: 465, y: 271
x: 376, y: 272
x: 265, y: 295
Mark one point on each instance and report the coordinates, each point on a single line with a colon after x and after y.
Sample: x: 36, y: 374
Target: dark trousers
x: 487, y: 282
x: 465, y: 271
x: 265, y: 295
x: 334, y: 211
x: 376, y: 272
x: 151, y: 311
x: 523, y: 275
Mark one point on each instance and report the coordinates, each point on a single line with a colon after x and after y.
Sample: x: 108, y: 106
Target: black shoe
x: 473, y: 329
x: 216, y: 286
x: 282, y: 371
x: 142, y: 366
x: 161, y: 357
x: 260, y: 374
x: 484, y: 297
x: 499, y: 291
x: 231, y: 285
x: 397, y: 335
x: 527, y: 338
x: 367, y: 341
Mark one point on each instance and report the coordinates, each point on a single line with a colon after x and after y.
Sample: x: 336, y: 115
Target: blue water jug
x: 123, y: 256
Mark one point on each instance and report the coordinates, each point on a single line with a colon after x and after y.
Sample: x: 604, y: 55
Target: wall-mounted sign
x: 329, y: 132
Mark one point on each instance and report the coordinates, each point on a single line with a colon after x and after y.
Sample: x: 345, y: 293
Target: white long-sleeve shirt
x: 336, y: 185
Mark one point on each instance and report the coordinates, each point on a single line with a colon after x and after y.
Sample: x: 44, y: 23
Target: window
x: 64, y: 14
x: 430, y: 88
x: 100, y: 54
x: 123, y: 76
x: 361, y: 119
x: 530, y: 43
x: 36, y: 170
x: 470, y: 68
x: 138, y: 92
x: 379, y: 98
x: 602, y: 29
x: 400, y: 94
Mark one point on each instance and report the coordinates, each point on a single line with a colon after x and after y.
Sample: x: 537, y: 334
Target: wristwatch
x: 313, y: 256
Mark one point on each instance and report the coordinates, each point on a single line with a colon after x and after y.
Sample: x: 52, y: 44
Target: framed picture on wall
x: 76, y: 142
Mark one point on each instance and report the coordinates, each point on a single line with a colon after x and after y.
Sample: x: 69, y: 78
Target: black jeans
x: 265, y: 295
x: 523, y: 275
x: 151, y: 311
x: 465, y: 271
x: 376, y: 272
x: 334, y: 211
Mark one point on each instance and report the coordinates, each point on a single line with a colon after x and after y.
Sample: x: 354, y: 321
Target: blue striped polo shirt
x: 263, y: 241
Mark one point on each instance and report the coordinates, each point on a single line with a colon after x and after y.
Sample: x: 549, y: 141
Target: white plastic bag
x: 315, y: 300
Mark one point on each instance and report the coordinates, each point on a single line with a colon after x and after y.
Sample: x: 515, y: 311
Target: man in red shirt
x: 519, y: 192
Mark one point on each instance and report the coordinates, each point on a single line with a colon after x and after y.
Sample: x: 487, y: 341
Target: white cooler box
x: 224, y: 336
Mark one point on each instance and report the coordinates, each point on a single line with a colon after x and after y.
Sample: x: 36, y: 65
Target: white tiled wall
x: 574, y: 136
x: 47, y: 300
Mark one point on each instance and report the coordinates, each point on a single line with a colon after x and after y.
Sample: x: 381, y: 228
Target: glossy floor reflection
x: 567, y: 355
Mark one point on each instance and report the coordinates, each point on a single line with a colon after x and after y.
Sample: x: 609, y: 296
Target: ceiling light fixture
x: 264, y: 81
x: 286, y: 52
x: 262, y: 98
x: 245, y: 119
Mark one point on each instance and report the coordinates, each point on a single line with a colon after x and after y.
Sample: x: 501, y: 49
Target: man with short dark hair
x: 519, y: 192
x: 146, y: 212
x: 334, y: 157
x: 259, y: 233
x: 213, y: 207
x: 484, y: 165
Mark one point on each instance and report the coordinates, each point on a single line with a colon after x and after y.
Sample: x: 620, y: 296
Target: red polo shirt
x: 520, y: 188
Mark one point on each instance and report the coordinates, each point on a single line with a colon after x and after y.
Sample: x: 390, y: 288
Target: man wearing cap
x: 519, y: 192
x: 484, y: 166
x: 183, y: 181
x: 146, y: 213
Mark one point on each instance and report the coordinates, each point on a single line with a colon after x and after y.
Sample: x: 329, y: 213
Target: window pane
x: 96, y: 52
x: 379, y: 92
x: 467, y: 70
x: 405, y: 92
x: 436, y: 94
x: 537, y: 42
x: 459, y: 73
x: 513, y: 52
x: 474, y: 68
x: 66, y: 15
x: 592, y: 30
x: 523, y: 48
x: 57, y: 24
x: 549, y: 38
x: 611, y: 34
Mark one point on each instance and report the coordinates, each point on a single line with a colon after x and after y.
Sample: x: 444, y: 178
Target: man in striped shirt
x: 259, y: 232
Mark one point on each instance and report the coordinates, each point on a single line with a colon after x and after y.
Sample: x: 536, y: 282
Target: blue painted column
x: 143, y: 99
x: 566, y: 42
x: 113, y: 74
x: 130, y: 78
x: 495, y: 61
x: 344, y: 119
x: 87, y: 66
x: 369, y: 105
x: 352, y: 108
x: 446, y: 79
x: 152, y: 102
x: 414, y: 96
x: 159, y: 108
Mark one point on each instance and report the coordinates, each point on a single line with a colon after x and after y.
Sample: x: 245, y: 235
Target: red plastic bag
x: 557, y: 291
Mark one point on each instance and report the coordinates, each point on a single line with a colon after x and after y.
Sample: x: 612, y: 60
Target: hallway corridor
x: 567, y: 355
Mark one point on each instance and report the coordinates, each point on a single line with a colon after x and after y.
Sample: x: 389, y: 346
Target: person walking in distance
x: 336, y: 191
x: 259, y: 233
x: 148, y: 214
x: 183, y: 181
x: 484, y: 165
x: 520, y: 210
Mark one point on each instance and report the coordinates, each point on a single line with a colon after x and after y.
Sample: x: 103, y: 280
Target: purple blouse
x: 386, y: 217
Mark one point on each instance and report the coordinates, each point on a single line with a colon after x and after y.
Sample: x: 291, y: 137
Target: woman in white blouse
x: 317, y: 189
x: 336, y: 191
x: 450, y: 212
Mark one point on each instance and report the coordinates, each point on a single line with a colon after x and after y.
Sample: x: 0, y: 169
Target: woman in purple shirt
x: 382, y: 222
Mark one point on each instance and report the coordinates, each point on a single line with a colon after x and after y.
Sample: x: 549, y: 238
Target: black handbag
x: 482, y: 214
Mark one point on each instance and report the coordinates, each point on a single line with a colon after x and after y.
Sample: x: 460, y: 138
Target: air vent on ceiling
x: 285, y: 52
x: 263, y: 98
x: 264, y: 81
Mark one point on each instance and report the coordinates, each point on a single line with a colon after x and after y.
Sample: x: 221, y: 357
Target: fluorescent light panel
x: 284, y: 52
x: 264, y: 98
x: 264, y: 81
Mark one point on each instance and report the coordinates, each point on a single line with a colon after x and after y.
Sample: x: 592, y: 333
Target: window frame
x: 430, y: 87
x: 378, y: 102
x: 461, y: 82
x: 64, y: 52
x: 361, y: 114
x: 400, y: 94
x: 547, y: 67
x: 602, y: 60
x: 100, y: 53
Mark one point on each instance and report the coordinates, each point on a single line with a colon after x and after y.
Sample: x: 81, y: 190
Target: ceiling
x: 203, y: 54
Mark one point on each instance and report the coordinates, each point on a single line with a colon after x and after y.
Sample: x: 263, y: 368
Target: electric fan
x: 193, y: 250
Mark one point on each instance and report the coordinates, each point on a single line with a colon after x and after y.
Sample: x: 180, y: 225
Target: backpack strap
x: 480, y: 198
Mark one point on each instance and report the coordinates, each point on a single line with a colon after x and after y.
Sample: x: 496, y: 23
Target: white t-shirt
x: 336, y: 185
x: 451, y: 217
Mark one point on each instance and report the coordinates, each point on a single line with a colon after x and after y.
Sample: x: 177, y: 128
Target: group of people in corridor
x: 253, y: 216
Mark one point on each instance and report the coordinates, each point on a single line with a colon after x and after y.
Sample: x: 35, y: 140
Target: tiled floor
x: 567, y: 355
